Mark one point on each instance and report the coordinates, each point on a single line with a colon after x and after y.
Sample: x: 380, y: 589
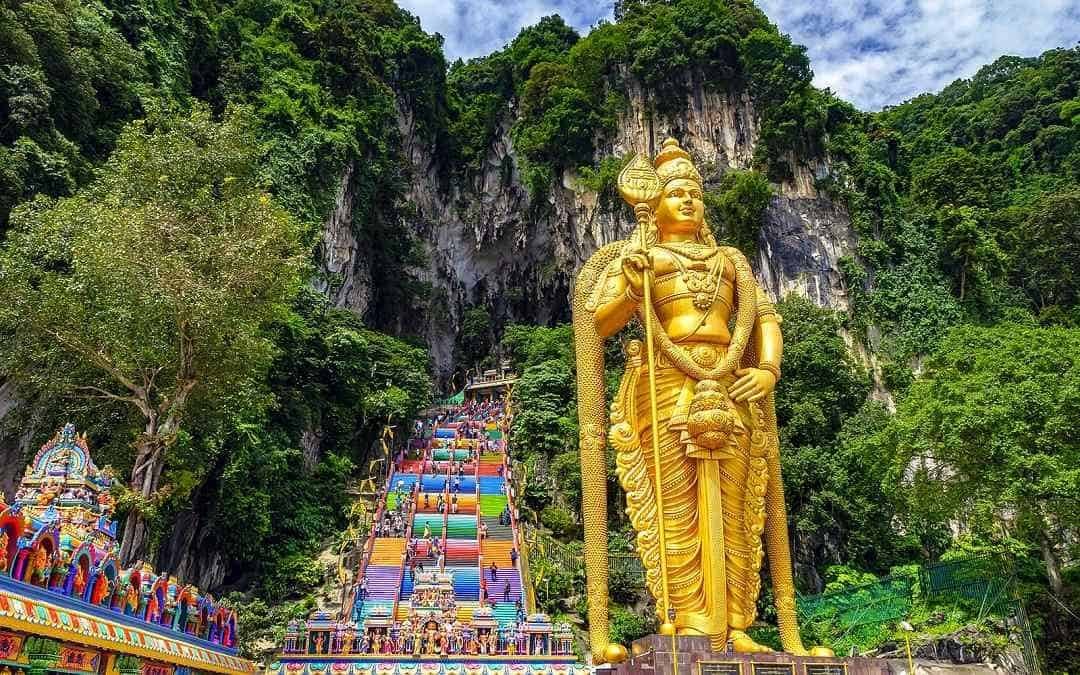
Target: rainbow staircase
x: 462, y: 502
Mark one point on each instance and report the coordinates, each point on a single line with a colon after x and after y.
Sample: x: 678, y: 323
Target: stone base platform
x: 695, y: 657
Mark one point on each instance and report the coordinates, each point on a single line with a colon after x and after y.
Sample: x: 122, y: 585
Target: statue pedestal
x: 654, y: 657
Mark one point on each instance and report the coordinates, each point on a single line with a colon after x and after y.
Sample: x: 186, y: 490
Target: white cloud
x: 883, y: 52
x: 870, y: 52
x: 479, y: 27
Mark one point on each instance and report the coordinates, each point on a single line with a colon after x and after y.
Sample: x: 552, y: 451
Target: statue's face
x: 680, y: 210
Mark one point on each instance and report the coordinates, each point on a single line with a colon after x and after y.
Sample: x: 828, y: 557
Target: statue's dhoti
x: 712, y: 529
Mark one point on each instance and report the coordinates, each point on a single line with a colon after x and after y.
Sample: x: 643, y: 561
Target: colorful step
x: 497, y: 587
x: 466, y: 582
x: 496, y: 530
x: 443, y: 455
x: 466, y: 609
x: 388, y: 551
x: 505, y: 613
x: 435, y: 483
x: 461, y: 526
x: 428, y: 502
x: 491, y: 485
x: 497, y: 552
x: 466, y: 502
x: 382, y: 582
x: 490, y: 469
x: 405, y: 480
x: 462, y: 552
x: 433, y: 520
x: 465, y: 484
x: 492, y: 505
x: 406, y: 586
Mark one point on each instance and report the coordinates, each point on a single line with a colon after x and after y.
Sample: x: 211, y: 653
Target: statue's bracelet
x: 770, y: 367
x: 630, y: 294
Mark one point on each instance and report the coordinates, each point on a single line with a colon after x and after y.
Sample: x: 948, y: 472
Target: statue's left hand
x: 753, y: 384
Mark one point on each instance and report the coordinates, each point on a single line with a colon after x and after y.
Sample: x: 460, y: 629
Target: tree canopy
x: 152, y: 285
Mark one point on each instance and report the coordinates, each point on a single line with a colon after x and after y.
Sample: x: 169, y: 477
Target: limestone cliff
x: 488, y: 242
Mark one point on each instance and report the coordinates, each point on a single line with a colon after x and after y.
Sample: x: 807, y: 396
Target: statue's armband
x: 766, y: 311
x: 606, y: 288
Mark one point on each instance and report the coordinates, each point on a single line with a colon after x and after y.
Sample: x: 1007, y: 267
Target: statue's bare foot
x: 614, y: 653
x: 744, y: 645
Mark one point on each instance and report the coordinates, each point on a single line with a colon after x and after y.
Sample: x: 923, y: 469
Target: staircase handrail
x: 369, y: 545
x: 446, y: 503
x: 526, y: 576
x: 408, y: 536
x: 516, y: 538
x: 479, y: 520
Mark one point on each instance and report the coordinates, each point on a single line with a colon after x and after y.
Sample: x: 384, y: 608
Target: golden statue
x: 708, y: 388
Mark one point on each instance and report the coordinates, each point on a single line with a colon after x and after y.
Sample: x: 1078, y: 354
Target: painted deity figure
x: 79, y: 582
x: 39, y: 571
x: 716, y: 349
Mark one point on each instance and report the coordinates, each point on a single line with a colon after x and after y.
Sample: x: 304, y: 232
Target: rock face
x: 800, y: 242
x: 14, y: 441
x: 489, y: 243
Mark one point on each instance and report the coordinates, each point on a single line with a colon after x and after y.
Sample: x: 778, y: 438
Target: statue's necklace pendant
x: 703, y: 286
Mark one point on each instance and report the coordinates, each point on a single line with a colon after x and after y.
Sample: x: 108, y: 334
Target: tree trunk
x: 144, y: 480
x: 1053, y: 565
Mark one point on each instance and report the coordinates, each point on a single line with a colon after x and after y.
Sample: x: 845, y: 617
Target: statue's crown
x: 673, y: 162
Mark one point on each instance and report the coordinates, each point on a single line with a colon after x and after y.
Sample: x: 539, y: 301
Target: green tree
x: 474, y: 338
x: 735, y: 212
x: 1046, y: 253
x: 151, y: 286
x: 969, y: 246
x: 839, y: 509
x: 989, y: 436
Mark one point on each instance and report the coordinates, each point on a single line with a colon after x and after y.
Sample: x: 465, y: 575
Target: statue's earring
x: 705, y: 234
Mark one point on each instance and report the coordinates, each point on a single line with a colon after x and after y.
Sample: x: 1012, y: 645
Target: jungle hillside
x: 169, y: 173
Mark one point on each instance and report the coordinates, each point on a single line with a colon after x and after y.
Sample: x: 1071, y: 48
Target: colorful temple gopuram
x: 67, y: 605
x: 442, y: 585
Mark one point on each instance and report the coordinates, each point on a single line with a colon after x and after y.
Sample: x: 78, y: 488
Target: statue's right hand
x: 634, y: 264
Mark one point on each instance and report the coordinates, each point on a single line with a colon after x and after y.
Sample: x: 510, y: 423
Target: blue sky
x: 870, y: 52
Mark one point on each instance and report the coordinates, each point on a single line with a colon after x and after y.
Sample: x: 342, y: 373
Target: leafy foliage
x: 152, y: 285
x: 734, y: 212
x: 995, y: 411
x: 569, y: 91
x: 68, y: 83
x: 961, y: 198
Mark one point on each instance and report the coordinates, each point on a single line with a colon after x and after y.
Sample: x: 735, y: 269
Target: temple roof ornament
x: 58, y: 535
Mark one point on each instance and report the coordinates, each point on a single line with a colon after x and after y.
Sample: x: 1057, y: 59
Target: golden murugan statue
x: 706, y: 384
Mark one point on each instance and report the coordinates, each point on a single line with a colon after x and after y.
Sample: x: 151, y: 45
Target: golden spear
x: 640, y: 186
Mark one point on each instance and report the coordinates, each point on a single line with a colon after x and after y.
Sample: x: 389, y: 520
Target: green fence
x: 986, y: 580
x: 884, y: 600
x: 866, y: 615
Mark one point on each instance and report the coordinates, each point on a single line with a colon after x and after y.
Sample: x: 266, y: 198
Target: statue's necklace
x: 704, y: 284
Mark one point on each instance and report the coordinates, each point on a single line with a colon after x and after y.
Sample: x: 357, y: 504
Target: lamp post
x: 908, y: 630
